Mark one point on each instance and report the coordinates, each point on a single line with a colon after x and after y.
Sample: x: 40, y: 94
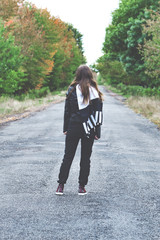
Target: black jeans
x: 74, y: 134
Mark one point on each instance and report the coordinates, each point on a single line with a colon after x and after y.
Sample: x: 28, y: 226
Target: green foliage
x: 151, y: 49
x: 64, y: 67
x: 138, y: 90
x: 78, y: 37
x: 112, y: 71
x: 33, y: 94
x: 12, y: 77
x: 57, y: 73
x: 125, y: 34
x: 34, y: 45
x: 99, y: 79
x: 37, y: 50
x: 38, y: 93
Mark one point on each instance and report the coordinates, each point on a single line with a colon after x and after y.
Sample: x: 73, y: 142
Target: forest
x: 131, y: 59
x: 39, y: 53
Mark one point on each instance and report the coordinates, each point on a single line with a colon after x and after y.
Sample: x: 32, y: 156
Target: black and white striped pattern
x: 92, y: 122
x: 90, y: 112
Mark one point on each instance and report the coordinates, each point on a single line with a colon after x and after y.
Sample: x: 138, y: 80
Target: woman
x: 82, y: 120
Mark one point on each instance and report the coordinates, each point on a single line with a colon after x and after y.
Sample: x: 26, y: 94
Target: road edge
x: 27, y: 113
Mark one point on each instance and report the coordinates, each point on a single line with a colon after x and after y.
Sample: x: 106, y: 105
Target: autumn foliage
x: 48, y: 48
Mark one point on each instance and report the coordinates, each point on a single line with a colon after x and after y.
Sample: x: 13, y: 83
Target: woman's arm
x: 97, y: 106
x: 98, y: 132
x: 66, y: 115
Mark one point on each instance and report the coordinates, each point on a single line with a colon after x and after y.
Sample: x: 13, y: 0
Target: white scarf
x: 92, y: 95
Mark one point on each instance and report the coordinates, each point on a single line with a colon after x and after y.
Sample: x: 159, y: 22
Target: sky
x: 90, y: 17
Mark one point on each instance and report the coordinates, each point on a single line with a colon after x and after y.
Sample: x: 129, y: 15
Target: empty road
x: 123, y: 200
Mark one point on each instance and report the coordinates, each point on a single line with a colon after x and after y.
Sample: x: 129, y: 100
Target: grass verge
x: 147, y: 106
x: 12, y: 109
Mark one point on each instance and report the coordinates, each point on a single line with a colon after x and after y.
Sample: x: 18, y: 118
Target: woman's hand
x: 65, y: 133
x: 96, y: 137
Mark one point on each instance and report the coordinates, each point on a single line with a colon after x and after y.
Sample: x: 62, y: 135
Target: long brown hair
x: 84, y: 77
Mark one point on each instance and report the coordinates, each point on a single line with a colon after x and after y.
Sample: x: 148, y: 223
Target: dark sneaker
x: 82, y: 190
x: 60, y: 189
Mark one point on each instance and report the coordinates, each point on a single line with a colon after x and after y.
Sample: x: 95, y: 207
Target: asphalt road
x: 123, y: 200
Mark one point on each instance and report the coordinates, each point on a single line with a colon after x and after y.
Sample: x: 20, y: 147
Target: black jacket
x: 71, y: 111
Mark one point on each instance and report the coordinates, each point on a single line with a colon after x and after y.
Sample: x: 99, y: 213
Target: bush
x: 32, y: 94
x: 99, y: 79
x: 12, y: 76
x: 112, y: 71
x: 38, y: 93
x: 138, y: 90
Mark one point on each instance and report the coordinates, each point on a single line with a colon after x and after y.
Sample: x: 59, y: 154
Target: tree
x: 67, y: 58
x: 112, y: 71
x: 151, y: 49
x: 77, y: 36
x: 9, y: 8
x: 125, y: 34
x: 51, y: 48
x: 12, y: 76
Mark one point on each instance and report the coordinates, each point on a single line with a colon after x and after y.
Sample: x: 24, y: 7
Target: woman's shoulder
x: 70, y: 90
